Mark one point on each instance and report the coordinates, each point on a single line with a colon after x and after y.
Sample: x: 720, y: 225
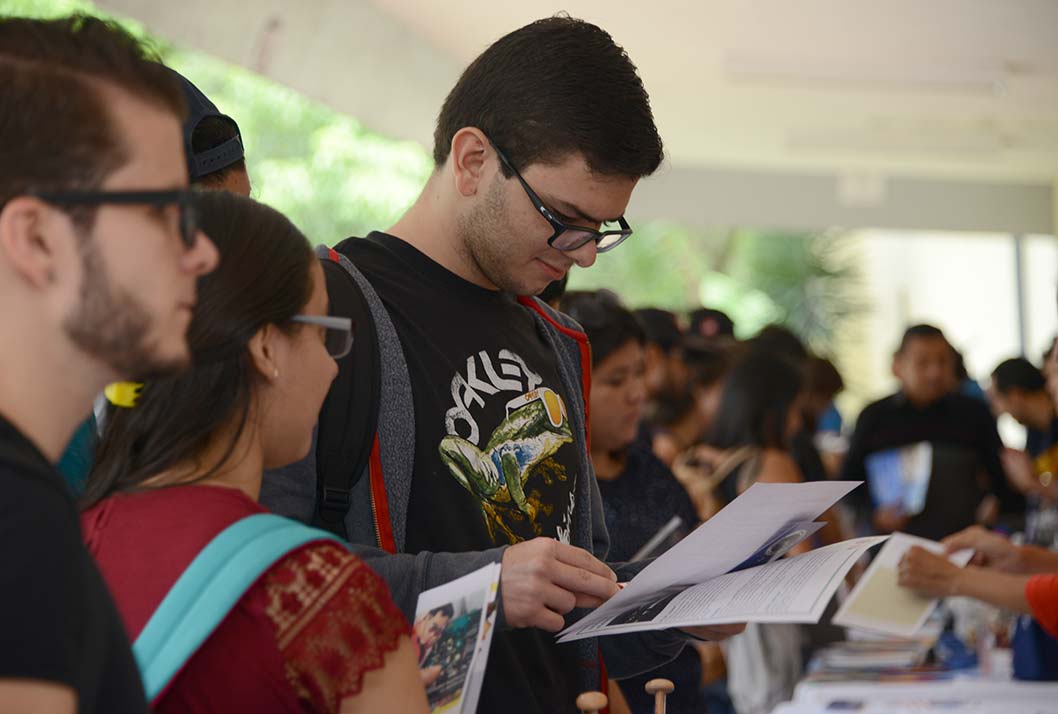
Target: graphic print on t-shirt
x: 510, y: 471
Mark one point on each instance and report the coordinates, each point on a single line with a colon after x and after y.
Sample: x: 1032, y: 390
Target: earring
x: 276, y: 374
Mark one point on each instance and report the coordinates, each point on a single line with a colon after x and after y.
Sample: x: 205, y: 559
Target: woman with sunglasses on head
x: 317, y: 630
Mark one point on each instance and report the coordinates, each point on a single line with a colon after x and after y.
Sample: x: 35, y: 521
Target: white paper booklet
x: 729, y: 569
x: 454, y: 624
x: 878, y: 603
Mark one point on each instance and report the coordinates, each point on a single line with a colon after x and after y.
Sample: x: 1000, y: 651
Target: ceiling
x: 964, y: 88
x: 863, y: 93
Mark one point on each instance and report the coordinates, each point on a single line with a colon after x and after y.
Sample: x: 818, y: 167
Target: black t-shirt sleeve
x: 38, y: 584
x: 854, y: 467
x: 991, y: 445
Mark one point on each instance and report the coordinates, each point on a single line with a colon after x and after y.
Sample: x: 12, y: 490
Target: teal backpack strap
x: 209, y: 588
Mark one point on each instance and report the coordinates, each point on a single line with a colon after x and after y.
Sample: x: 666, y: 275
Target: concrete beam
x: 712, y: 198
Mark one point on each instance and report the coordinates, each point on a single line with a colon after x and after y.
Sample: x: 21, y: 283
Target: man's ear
x: 469, y: 158
x: 29, y: 231
x: 263, y: 348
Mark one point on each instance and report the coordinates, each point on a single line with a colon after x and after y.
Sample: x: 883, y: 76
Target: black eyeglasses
x: 183, y: 198
x: 568, y: 237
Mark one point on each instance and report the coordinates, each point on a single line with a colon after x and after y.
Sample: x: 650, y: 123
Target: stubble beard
x: 112, y: 326
x: 487, y: 240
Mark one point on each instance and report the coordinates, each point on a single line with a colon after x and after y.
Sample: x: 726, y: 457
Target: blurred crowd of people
x: 467, y: 419
x: 686, y: 417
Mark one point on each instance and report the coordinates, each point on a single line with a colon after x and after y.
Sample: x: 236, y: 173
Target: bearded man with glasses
x: 99, y: 259
x: 537, y: 150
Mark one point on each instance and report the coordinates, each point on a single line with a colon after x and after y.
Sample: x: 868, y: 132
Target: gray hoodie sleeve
x: 408, y: 575
x: 291, y: 491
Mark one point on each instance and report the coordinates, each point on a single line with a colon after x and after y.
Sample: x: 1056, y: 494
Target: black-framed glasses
x: 566, y: 237
x: 338, y: 332
x: 184, y: 199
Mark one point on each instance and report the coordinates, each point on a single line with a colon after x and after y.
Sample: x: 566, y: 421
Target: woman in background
x: 318, y: 631
x: 759, y: 414
x: 639, y: 493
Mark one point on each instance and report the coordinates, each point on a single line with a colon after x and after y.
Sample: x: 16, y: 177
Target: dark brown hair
x: 263, y: 278
x: 56, y: 128
x: 822, y: 377
x: 210, y: 133
x: 555, y: 87
x: 1018, y: 373
x: 608, y: 324
x: 920, y: 332
x: 758, y: 393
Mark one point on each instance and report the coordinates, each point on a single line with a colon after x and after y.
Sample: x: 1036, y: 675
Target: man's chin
x: 524, y: 288
x: 155, y: 366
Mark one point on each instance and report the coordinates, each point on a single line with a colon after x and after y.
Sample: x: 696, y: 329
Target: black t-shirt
x: 495, y: 460
x: 640, y: 501
x: 57, y: 621
x: 965, y: 467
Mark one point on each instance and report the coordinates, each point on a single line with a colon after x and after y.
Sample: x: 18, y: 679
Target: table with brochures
x: 886, y: 676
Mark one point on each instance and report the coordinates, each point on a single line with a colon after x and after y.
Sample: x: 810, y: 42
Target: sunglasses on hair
x: 182, y: 198
x: 566, y: 237
x: 338, y: 332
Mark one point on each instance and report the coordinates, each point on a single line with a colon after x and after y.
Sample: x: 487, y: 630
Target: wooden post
x: 591, y: 702
x: 660, y: 688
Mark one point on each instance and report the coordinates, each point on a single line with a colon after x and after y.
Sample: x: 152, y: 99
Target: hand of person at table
x: 715, y: 633
x: 928, y: 574
x: 889, y: 520
x: 990, y: 549
x: 542, y: 580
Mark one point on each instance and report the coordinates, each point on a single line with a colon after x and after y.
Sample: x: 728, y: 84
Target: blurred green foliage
x: 334, y: 178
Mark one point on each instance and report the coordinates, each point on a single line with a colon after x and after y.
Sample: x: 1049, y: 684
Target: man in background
x: 966, y: 480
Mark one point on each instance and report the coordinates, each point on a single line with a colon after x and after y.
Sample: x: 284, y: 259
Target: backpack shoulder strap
x: 389, y: 452
x: 349, y: 416
x: 209, y: 588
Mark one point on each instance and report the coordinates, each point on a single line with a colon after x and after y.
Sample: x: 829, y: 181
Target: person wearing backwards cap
x: 216, y: 160
x: 215, y: 155
x: 99, y: 260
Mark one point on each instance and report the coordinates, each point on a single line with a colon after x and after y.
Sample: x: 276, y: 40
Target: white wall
x: 962, y: 282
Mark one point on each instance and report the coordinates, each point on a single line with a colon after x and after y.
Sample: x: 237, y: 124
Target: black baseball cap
x: 211, y: 160
x: 711, y: 324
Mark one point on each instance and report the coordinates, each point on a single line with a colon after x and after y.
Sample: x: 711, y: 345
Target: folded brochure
x: 731, y: 568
